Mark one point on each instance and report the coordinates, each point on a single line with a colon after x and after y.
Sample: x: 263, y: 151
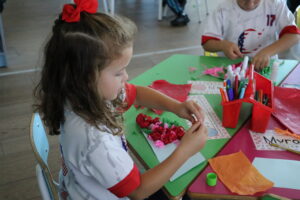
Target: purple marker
x: 230, y: 94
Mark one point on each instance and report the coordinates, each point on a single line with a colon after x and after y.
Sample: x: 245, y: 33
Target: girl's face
x: 248, y: 4
x: 112, y: 78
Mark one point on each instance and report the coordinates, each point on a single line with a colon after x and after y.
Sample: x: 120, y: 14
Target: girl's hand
x: 193, y: 140
x: 191, y: 111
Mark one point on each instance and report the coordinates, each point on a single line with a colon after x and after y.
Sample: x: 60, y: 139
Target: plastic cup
x: 211, y: 179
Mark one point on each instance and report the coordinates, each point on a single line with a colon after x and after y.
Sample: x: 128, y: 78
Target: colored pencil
x: 285, y: 148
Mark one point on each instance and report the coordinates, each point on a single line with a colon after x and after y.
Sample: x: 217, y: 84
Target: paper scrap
x: 238, y: 174
x: 211, y: 121
x: 262, y: 141
x: 205, y: 87
x: 166, y: 151
x: 284, y: 173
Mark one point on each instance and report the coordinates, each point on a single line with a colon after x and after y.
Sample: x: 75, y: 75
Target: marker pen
x: 245, y: 63
x: 242, y: 93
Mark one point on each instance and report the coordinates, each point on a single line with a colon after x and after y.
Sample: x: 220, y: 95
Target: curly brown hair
x: 73, y: 56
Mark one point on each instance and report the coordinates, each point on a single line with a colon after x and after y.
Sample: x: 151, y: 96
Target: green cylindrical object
x: 211, y: 179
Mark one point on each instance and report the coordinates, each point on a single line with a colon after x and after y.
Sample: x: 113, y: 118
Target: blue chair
x: 39, y: 142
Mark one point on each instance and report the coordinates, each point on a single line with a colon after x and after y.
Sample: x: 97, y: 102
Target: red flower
x: 172, y: 135
x: 155, y: 136
x: 168, y: 137
x: 155, y: 120
x: 165, y: 139
x: 143, y: 120
x: 159, y: 131
x: 179, y: 131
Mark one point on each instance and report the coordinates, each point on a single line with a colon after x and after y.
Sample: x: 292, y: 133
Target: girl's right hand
x: 193, y: 140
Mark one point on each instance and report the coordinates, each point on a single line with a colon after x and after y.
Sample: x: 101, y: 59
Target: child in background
x: 81, y: 95
x: 257, y: 28
x: 177, y: 6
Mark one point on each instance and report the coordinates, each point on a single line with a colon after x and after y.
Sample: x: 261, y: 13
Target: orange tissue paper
x: 239, y: 175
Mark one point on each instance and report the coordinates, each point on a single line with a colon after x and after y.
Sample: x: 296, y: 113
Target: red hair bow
x: 71, y: 14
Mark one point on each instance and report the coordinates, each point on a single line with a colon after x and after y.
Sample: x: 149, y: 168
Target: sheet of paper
x: 166, y: 151
x: 284, y: 173
x: 205, y: 87
x: 212, y: 121
x: 261, y: 141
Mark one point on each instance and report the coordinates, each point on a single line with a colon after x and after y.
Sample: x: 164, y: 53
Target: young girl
x: 81, y: 94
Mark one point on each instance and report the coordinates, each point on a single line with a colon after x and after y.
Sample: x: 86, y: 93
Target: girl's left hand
x: 191, y: 111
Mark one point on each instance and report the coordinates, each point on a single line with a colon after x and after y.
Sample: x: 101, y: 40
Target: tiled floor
x: 27, y: 25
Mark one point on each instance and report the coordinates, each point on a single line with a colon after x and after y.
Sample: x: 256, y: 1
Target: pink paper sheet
x: 287, y: 107
x: 175, y: 91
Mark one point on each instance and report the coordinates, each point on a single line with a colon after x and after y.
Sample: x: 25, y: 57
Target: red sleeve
x: 128, y: 184
x: 206, y: 38
x: 289, y: 29
x: 130, y: 94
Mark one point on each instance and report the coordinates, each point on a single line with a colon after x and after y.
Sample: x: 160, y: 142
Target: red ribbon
x: 71, y: 14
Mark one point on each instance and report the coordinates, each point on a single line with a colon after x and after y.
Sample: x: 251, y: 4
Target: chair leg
x: 198, y: 11
x: 112, y: 7
x: 160, y: 10
x: 206, y: 6
x: 105, y: 7
x: 3, y: 61
x: 165, y: 12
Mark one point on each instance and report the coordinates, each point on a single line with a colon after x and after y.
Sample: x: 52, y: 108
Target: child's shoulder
x: 76, y: 126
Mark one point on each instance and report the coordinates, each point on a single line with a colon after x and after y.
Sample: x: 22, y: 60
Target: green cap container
x: 211, y: 179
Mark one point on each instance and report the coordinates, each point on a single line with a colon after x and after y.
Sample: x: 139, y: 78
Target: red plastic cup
x: 231, y: 113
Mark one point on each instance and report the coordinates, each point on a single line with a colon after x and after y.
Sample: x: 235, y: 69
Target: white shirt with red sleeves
x: 250, y: 30
x: 96, y: 164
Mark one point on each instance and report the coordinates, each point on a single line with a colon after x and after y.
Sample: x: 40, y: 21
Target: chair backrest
x: 40, y: 146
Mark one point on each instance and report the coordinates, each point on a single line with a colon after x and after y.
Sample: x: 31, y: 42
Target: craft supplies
x: 287, y: 109
x: 205, y: 87
x: 211, y: 179
x: 275, y: 68
x: 250, y: 87
x: 285, y: 148
x: 244, y: 92
x: 262, y: 141
x: 230, y: 74
x: 287, y: 132
x: 245, y: 63
x: 161, y: 133
x: 253, y: 88
x: 211, y: 120
x: 223, y: 95
x: 236, y: 80
x: 239, y: 175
